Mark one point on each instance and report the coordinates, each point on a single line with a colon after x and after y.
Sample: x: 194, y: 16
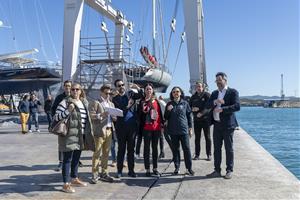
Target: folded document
x: 115, y: 112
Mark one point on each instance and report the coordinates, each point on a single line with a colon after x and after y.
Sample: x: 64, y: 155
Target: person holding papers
x: 126, y: 126
x: 103, y: 129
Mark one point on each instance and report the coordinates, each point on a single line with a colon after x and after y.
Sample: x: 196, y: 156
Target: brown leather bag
x: 59, y: 128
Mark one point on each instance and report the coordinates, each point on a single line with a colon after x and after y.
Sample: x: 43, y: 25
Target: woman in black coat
x: 179, y: 127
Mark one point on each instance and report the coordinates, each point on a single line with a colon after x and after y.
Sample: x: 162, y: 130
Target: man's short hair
x: 224, y: 76
x: 116, y: 81
x: 198, y: 82
x: 105, y: 87
x: 67, y: 81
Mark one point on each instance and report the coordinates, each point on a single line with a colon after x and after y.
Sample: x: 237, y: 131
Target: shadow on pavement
x: 27, y: 168
x: 24, y: 184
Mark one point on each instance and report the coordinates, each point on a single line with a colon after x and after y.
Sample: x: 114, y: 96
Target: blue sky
x: 253, y: 41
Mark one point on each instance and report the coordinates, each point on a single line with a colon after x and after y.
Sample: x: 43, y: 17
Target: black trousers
x: 138, y: 140
x: 220, y: 134
x: 185, y: 143
x: 161, y: 142
x: 168, y: 139
x: 151, y: 139
x: 126, y: 136
x: 49, y: 118
x: 198, y: 127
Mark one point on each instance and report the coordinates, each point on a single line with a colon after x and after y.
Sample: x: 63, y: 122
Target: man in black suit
x: 201, y: 122
x: 223, y: 103
x: 126, y: 126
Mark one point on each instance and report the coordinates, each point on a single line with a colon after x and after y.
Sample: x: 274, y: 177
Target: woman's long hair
x: 82, y: 93
x: 181, y: 91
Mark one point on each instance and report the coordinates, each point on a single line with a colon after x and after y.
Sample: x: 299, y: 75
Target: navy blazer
x: 231, y: 105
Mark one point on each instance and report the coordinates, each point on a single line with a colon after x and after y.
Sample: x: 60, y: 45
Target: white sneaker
x: 38, y: 130
x: 30, y: 131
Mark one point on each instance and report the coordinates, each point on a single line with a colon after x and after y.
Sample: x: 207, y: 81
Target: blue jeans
x: 70, y: 160
x: 185, y: 143
x: 33, y: 117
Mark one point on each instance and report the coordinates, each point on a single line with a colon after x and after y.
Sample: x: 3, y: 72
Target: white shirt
x: 105, y: 104
x: 220, y: 96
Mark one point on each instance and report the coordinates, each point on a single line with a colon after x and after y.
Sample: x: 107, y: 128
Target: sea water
x: 277, y: 130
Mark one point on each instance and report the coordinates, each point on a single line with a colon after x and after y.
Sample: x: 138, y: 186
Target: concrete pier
x: 27, y: 163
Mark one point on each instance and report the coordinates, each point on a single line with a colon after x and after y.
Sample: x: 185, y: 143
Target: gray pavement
x: 27, y: 163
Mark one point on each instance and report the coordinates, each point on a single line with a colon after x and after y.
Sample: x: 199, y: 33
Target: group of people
x: 92, y: 127
x: 29, y: 112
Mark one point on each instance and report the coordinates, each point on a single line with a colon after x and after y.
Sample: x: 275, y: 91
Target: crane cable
x: 182, y: 41
x: 40, y: 32
x: 173, y: 29
x: 26, y: 29
x: 162, y: 31
x: 48, y: 30
x: 145, y: 11
x: 12, y: 29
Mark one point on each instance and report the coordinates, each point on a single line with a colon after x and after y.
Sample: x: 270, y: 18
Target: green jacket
x: 74, y: 139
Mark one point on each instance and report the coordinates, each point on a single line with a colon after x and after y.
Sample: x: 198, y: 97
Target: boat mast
x: 153, y: 26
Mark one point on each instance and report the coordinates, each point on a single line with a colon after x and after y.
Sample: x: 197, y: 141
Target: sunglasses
x: 175, y: 91
x: 121, y: 85
x: 75, y: 89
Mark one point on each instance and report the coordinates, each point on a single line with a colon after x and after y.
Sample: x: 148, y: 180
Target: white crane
x: 72, y: 23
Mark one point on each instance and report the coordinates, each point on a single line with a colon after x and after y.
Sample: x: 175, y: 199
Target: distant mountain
x: 260, y: 97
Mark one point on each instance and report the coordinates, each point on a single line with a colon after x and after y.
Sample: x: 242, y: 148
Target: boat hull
x: 159, y: 78
x: 13, y: 81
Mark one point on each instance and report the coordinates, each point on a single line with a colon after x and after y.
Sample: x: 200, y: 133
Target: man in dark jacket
x: 58, y: 99
x: 126, y: 126
x: 47, y: 109
x: 34, y: 104
x: 224, y: 102
x: 201, y: 122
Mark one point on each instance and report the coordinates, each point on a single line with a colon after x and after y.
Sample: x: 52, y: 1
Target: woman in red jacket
x: 151, y: 124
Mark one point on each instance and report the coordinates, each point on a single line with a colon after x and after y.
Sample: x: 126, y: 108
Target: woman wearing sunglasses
x: 151, y: 125
x: 179, y: 126
x: 79, y: 137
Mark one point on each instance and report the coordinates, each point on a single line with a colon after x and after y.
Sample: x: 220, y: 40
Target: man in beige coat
x: 103, y: 128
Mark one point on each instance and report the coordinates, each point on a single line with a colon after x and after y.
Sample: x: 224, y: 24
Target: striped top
x: 62, y: 112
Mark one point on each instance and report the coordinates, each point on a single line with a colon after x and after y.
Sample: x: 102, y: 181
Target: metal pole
x: 153, y: 25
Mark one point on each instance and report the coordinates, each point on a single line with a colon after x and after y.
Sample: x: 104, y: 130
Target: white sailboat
x: 152, y: 71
